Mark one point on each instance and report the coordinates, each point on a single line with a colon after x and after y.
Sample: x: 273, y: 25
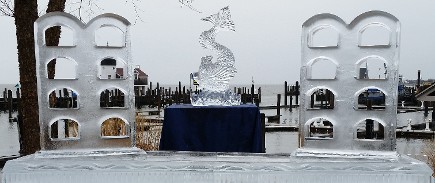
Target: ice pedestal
x: 138, y: 166
x: 208, y: 98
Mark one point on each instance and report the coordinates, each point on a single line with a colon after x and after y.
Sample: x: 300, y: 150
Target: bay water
x: 276, y: 142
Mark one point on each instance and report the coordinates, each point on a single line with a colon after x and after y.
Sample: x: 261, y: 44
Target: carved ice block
x: 349, y: 79
x: 94, y: 109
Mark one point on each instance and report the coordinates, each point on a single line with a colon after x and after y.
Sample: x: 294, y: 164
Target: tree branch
x: 6, y: 8
x: 86, y: 9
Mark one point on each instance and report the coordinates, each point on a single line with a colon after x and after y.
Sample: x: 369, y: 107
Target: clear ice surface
x: 214, y: 77
x: 345, y: 51
x: 89, y: 60
x: 132, y: 167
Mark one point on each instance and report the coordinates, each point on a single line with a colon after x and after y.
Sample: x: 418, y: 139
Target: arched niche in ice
x: 319, y: 128
x: 370, y: 98
x: 64, y: 68
x: 369, y: 129
x: 322, y: 68
x: 110, y: 36
x: 66, y: 37
x: 115, y: 127
x: 112, y: 68
x: 321, y: 98
x: 112, y: 98
x: 372, y: 67
x: 374, y: 35
x: 64, y: 129
x: 63, y: 98
x: 323, y: 36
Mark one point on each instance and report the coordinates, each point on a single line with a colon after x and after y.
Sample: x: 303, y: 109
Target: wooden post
x: 10, y: 99
x: 418, y: 81
x: 18, y: 99
x: 177, y: 101
x: 291, y: 103
x: 369, y: 104
x: 285, y: 93
x: 252, y: 93
x: 106, y: 98
x: 426, y: 108
x: 263, y: 132
x: 278, y: 104
x: 433, y: 111
x: 369, y: 129
x: 5, y: 100
x: 179, y: 91
x: 184, y: 95
x: 311, y: 101
x: 259, y: 95
x: 297, y: 93
x: 159, y: 99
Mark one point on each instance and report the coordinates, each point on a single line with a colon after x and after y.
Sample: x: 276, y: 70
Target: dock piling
x: 10, y: 103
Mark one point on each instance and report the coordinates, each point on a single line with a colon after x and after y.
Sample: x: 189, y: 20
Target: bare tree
x: 6, y: 8
x: 25, y: 14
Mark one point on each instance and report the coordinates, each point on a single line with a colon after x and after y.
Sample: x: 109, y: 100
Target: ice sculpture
x: 214, y: 77
x: 81, y: 126
x: 346, y: 52
x: 322, y: 159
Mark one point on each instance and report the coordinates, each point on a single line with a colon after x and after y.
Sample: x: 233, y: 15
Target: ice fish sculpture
x: 214, y: 77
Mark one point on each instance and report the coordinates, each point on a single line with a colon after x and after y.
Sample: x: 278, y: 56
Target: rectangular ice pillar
x: 88, y: 103
x: 349, y: 79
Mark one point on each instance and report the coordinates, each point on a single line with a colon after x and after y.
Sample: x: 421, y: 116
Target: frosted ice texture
x: 214, y: 77
x: 87, y: 85
x: 214, y: 167
x: 346, y: 51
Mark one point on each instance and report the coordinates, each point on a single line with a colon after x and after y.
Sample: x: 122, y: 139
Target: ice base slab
x: 213, y: 167
x: 219, y: 98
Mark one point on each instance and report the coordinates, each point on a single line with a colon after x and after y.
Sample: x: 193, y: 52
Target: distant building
x: 427, y: 95
x: 108, y: 68
x: 140, y: 81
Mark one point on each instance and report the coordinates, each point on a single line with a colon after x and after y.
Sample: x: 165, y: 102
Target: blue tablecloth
x: 212, y: 129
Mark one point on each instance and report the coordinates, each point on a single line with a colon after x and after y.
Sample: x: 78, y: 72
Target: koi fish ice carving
x: 214, y: 77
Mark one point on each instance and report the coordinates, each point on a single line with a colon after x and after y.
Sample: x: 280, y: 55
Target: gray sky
x: 266, y: 43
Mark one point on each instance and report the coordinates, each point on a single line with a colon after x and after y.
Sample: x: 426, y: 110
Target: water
x: 9, y: 144
x: 276, y: 142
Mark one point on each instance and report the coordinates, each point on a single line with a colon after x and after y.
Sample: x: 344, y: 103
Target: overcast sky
x: 266, y: 43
